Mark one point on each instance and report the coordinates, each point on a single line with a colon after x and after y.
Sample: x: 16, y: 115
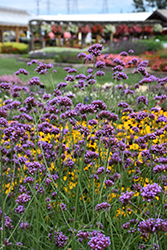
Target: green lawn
x: 10, y: 65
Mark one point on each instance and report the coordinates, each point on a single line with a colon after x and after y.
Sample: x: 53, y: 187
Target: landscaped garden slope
x: 84, y: 169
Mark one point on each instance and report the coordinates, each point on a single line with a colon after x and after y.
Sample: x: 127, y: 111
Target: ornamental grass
x: 88, y: 174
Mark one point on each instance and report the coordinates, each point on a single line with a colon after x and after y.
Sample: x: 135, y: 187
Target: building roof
x: 11, y: 16
x: 160, y: 14
x: 138, y: 16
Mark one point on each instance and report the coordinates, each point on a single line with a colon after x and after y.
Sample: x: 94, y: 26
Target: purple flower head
x: 19, y: 210
x: 23, y: 198
x: 121, y: 75
x: 152, y: 225
x: 80, y: 55
x: 7, y: 243
x: 159, y: 168
x: 126, y: 197
x: 118, y: 62
x: 70, y: 78
x: 123, y: 53
x: 150, y: 191
x: 123, y: 104
x: 118, y: 68
x: 80, y: 76
x: 99, y: 73
x: 142, y: 99
x: 90, y: 71
x: 100, y: 64
x: 24, y: 225
x: 105, y: 56
x: 104, y: 205
x: 88, y: 57
x: 99, y: 241
x: 161, y: 118
x: 135, y: 61
x: 107, y: 115
x: 63, y: 206
x: 4, y: 85
x: 143, y: 64
x: 131, y: 51
x: 49, y: 66
x: 21, y: 71
x: 59, y: 238
x: 95, y: 49
x: 72, y: 70
x: 66, y: 68
x: 109, y: 183
x: 34, y: 81
x: 61, y: 85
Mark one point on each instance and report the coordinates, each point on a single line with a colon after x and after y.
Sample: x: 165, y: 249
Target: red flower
x: 97, y: 29
x: 56, y: 29
x: 84, y: 29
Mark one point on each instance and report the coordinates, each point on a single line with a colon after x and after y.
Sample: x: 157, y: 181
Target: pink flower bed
x: 109, y: 60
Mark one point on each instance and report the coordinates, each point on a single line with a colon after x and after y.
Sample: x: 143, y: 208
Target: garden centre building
x: 20, y: 20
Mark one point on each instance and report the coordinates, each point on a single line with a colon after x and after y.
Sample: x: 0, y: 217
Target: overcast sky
x: 54, y: 7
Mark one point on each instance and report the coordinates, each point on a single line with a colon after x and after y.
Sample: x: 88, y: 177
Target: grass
x: 10, y: 65
x: 62, y: 50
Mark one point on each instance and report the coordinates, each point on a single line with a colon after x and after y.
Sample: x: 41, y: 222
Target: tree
x: 159, y: 4
x: 139, y: 5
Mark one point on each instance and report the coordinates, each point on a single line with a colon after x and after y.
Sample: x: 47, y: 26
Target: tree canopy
x: 141, y: 5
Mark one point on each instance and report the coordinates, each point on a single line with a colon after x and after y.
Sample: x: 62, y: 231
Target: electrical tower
x: 48, y: 6
x: 37, y: 1
x: 68, y: 6
x: 75, y: 6
x: 105, y: 6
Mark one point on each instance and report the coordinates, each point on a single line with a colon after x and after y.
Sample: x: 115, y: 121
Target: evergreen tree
x: 139, y: 5
x: 161, y: 4
x: 158, y: 4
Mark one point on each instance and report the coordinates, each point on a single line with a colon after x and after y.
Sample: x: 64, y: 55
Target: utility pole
x: 105, y: 6
x: 68, y: 6
x: 48, y: 5
x: 37, y: 7
x: 75, y: 6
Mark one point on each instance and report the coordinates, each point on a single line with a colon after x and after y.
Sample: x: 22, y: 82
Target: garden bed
x: 86, y: 168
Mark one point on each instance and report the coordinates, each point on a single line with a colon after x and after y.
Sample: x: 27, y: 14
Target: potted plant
x: 73, y: 29
x: 97, y: 30
x: 109, y: 30
x: 84, y: 31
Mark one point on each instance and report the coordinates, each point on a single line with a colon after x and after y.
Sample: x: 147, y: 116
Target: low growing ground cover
x: 88, y: 174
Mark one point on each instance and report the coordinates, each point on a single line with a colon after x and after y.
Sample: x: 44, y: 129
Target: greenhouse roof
x: 121, y: 17
x: 10, y: 16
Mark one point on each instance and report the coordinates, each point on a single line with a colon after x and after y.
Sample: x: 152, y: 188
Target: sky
x: 54, y: 7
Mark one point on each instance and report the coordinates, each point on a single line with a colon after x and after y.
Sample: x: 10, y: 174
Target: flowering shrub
x: 84, y: 175
x: 122, y: 30
x: 84, y: 29
x: 97, y: 29
x: 159, y: 65
x: 56, y: 29
x: 13, y: 47
x: 135, y: 30
x: 109, y: 28
x: 157, y: 28
x: 109, y: 60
